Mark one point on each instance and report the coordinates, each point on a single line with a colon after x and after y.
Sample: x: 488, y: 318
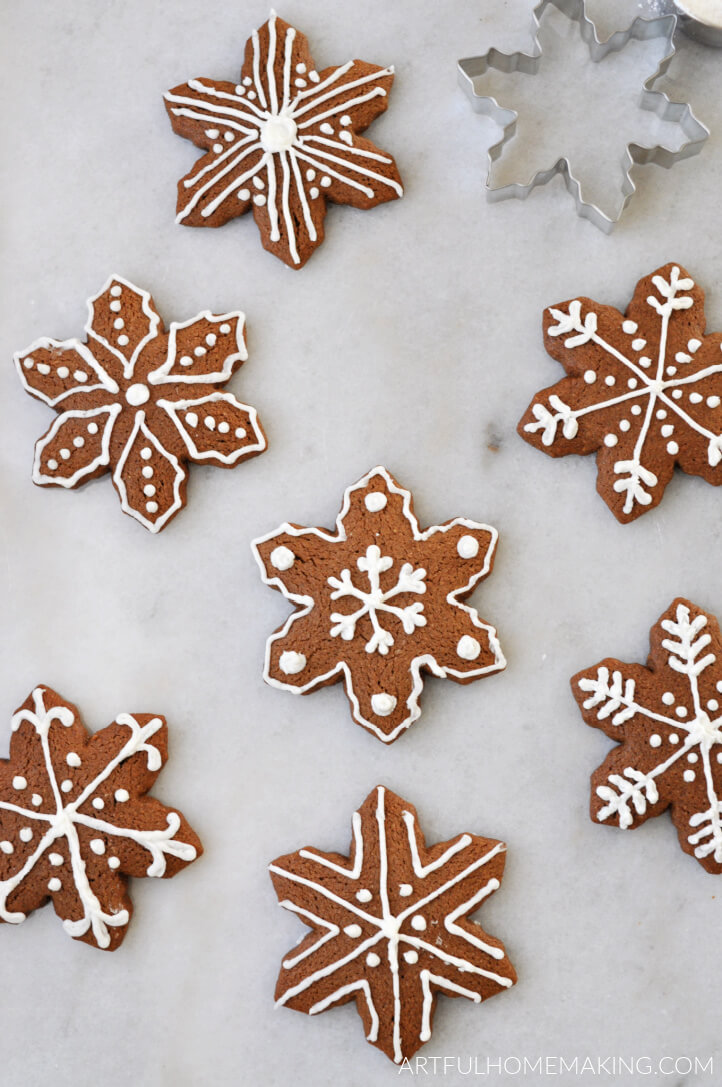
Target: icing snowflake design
x: 390, y: 925
x: 645, y: 390
x: 667, y: 718
x: 378, y: 604
x: 74, y: 820
x: 283, y: 142
x: 140, y: 402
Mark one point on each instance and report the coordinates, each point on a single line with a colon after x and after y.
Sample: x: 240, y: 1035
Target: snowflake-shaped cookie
x: 379, y: 603
x: 140, y: 401
x: 282, y: 142
x: 645, y: 390
x: 667, y: 718
x: 75, y: 821
x: 390, y: 925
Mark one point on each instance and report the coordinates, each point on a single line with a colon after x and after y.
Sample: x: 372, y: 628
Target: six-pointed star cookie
x: 390, y: 925
x: 282, y: 142
x: 667, y: 719
x: 645, y: 391
x: 140, y: 401
x: 75, y: 821
x: 379, y: 603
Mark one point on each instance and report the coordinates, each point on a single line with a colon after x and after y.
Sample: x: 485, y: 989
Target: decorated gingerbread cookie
x: 75, y: 821
x: 283, y: 141
x: 378, y: 604
x: 644, y: 391
x: 389, y: 925
x: 667, y: 720
x: 140, y: 402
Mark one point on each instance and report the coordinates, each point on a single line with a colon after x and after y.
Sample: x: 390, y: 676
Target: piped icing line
x: 427, y: 661
x: 128, y: 363
x: 105, y: 381
x: 39, y: 476
x: 277, y: 119
x: 141, y: 430
x: 240, y: 355
x: 63, y: 821
x: 378, y: 871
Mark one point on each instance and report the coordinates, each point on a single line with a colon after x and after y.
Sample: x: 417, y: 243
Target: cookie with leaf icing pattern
x: 282, y: 142
x: 379, y: 604
x: 140, y: 402
x: 644, y: 391
x: 76, y: 820
x: 390, y: 926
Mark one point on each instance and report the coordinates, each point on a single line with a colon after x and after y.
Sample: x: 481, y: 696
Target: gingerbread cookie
x: 282, y: 142
x: 378, y: 604
x: 140, y: 402
x: 75, y: 821
x: 644, y: 391
x: 667, y: 719
x: 389, y: 925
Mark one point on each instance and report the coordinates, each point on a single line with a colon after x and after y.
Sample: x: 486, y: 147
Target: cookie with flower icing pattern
x: 379, y: 604
x: 390, y: 925
x: 282, y: 142
x: 140, y: 402
x: 75, y: 820
x: 644, y: 391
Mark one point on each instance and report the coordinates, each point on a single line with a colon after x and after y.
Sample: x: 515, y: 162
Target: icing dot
x: 314, y: 77
x: 625, y: 425
x: 661, y: 413
x: 19, y: 782
x: 252, y: 95
x: 468, y: 648
x: 383, y: 704
x: 210, y: 422
x: 55, y: 859
x: 191, y: 418
x: 63, y: 371
x: 224, y: 329
x: 223, y: 427
x: 676, y: 394
x: 639, y: 345
x: 713, y: 401
x: 80, y: 376
x: 78, y: 442
x: 609, y: 380
x: 113, y: 862
x: 52, y: 464
x: 345, y: 120
x: 217, y: 147
x: 300, y: 82
x: 28, y: 363
x: 636, y: 409
x: 98, y: 803
x: 610, y: 440
x: 692, y: 757
x: 418, y: 923
x: 694, y: 345
x: 54, y: 884
x: 115, y: 306
x: 325, y: 182
x: 468, y: 547
x: 672, y: 448
x: 36, y: 800
x: 244, y: 194
x: 98, y: 846
x: 247, y: 81
x: 375, y: 501
x: 146, y: 471
x: 26, y: 834
x: 239, y: 432
x: 149, y: 490
x: 7, y: 847
x: 632, y: 383
x: 667, y: 430
x: 66, y: 785
x: 291, y: 663
x: 212, y: 133
x: 300, y: 68
x: 123, y: 340
x: 258, y: 182
x: 671, y: 371
x: 151, y: 507
x: 310, y: 175
x: 186, y: 360
x: 115, y: 290
x: 354, y: 931
x: 689, y: 775
x: 92, y: 428
x: 73, y: 759
x: 314, y: 193
x: 372, y: 959
x: 713, y: 704
x: 682, y: 357
x: 211, y: 339
x: 673, y: 738
x: 278, y: 133
x: 259, y: 200
x: 364, y: 895
x: 228, y: 137
x: 43, y: 368
x: 411, y: 956
x: 146, y: 453
x: 121, y: 795
x: 137, y: 394
x: 681, y: 711
x: 118, y: 323
x: 590, y: 377
x: 719, y: 756
x: 630, y: 327
x: 668, y: 698
x: 644, y: 361
x: 65, y: 454
x: 405, y: 890
x: 718, y: 685
x: 655, y: 740
x: 282, y: 558
x: 327, y: 128
x: 199, y: 351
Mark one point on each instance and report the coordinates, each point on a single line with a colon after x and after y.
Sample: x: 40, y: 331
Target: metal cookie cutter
x: 473, y: 69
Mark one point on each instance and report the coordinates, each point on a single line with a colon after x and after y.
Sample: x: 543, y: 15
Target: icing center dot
x: 278, y: 133
x: 137, y: 394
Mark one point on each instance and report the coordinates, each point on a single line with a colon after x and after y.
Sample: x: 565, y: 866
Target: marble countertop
x: 412, y: 338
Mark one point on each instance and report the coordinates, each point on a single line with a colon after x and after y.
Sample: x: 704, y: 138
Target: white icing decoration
x: 405, y: 889
x: 375, y: 501
x: 364, y: 895
x: 137, y: 394
x: 383, y: 704
x: 290, y: 140
x: 26, y: 834
x: 635, y: 480
x: 468, y: 547
x: 19, y: 782
x: 468, y: 648
x: 354, y: 931
x: 66, y: 817
x: 497, y: 661
x: 176, y: 410
x: 282, y: 558
x: 122, y: 795
x: 374, y: 600
x: 397, y: 931
x: 291, y: 663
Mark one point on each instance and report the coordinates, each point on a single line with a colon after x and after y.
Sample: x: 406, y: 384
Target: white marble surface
x: 412, y: 338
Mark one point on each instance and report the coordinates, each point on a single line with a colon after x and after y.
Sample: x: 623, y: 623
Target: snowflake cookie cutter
x: 472, y: 70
